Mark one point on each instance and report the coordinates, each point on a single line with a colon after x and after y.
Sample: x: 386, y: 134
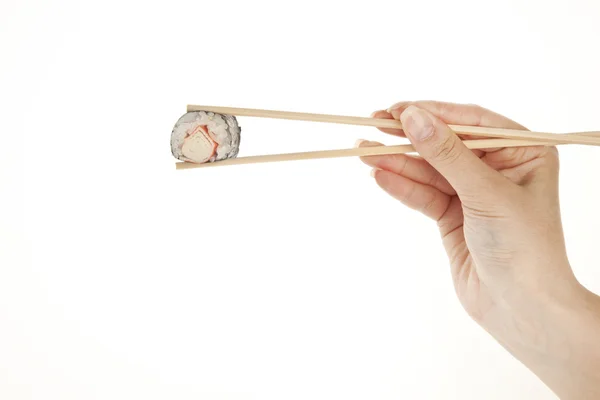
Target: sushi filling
x: 199, y: 145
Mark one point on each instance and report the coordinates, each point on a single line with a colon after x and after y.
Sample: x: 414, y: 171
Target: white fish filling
x: 198, y: 147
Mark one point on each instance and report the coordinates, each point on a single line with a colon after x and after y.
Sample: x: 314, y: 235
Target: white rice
x: 224, y: 128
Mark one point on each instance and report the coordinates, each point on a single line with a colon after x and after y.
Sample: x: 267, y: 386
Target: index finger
x: 459, y: 114
x: 386, y: 115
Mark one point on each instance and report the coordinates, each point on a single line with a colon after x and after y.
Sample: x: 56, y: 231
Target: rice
x: 201, y: 137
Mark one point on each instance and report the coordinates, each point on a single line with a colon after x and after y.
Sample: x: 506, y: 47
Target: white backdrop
x: 121, y: 278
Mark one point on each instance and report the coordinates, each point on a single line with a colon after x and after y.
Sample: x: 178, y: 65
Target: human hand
x: 499, y: 218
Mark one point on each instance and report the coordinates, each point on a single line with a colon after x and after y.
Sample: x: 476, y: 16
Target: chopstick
x: 586, y: 138
x: 364, y: 152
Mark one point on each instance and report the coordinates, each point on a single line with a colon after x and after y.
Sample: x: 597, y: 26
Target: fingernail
x: 417, y: 124
x: 359, y: 142
x: 373, y: 172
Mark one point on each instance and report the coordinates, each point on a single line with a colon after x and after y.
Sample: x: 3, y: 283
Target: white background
x: 121, y: 278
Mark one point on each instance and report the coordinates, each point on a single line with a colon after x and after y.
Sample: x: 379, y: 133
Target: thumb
x: 444, y: 150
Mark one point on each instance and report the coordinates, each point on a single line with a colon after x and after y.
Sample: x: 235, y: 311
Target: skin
x: 499, y: 219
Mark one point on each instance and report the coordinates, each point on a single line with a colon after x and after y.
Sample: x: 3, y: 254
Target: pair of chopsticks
x: 497, y: 138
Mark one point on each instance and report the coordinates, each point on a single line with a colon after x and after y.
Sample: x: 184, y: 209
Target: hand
x: 497, y: 210
x: 499, y: 218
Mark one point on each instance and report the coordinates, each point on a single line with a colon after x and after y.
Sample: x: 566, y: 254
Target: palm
x: 519, y: 165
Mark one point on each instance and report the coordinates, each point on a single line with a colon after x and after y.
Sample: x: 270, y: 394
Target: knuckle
x: 447, y: 151
x: 474, y: 113
x: 446, y: 225
x: 430, y: 205
x: 475, y: 107
x: 408, y: 195
x: 402, y: 164
x: 434, y: 180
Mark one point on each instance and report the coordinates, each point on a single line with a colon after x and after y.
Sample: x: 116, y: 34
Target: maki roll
x: 202, y: 137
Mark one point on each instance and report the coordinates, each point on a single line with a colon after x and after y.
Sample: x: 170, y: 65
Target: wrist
x: 539, y: 320
x: 556, y: 334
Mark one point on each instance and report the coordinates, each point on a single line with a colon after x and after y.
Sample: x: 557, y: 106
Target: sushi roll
x: 202, y: 137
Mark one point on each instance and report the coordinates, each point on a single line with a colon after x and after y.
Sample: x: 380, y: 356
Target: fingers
x: 542, y: 174
x: 385, y: 115
x: 444, y: 150
x: 460, y: 114
x: 426, y: 199
x: 511, y: 157
x: 413, y: 168
x: 454, y: 114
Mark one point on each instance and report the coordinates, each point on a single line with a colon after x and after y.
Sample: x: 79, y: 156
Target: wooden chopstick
x: 361, y: 152
x: 586, y: 138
